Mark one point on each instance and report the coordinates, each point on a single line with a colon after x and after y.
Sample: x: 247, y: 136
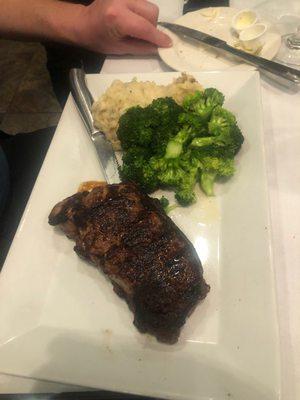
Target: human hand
x: 121, y: 27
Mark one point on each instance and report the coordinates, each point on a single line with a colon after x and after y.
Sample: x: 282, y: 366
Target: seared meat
x: 150, y: 262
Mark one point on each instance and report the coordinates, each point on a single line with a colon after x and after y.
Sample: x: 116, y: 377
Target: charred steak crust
x: 149, y: 260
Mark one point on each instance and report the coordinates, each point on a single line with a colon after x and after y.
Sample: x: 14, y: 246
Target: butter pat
x: 243, y: 19
x: 252, y: 37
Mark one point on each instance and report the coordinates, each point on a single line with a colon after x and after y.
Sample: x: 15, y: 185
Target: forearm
x: 40, y: 19
x: 105, y: 26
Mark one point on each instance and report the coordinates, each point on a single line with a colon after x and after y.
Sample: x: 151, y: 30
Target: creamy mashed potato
x: 122, y: 95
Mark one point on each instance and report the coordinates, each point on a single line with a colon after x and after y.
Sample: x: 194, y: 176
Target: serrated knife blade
x: 84, y: 100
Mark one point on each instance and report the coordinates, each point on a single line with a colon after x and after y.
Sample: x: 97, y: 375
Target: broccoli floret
x: 202, y: 104
x: 213, y: 97
x: 216, y: 152
x: 164, y: 106
x: 207, y: 180
x: 135, y: 128
x: 166, y: 205
x: 152, y: 126
x: 212, y: 168
x: 222, y: 166
x: 194, y: 122
x: 175, y: 145
x: 236, y: 143
x: 168, y: 171
x: 185, y: 194
x: 224, y: 132
x: 167, y: 114
x: 145, y: 132
x: 185, y: 197
x: 221, y: 120
x: 135, y: 168
x: 144, y: 177
x: 164, y: 202
x: 196, y: 104
x: 178, y: 173
x: 190, y: 100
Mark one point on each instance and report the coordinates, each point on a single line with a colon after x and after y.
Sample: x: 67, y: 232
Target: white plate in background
x: 216, y: 21
x: 61, y: 321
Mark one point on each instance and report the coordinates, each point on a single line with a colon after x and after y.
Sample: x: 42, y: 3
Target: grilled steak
x: 149, y: 261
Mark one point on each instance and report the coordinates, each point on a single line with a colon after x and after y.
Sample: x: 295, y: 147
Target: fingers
x: 138, y: 27
x: 145, y: 9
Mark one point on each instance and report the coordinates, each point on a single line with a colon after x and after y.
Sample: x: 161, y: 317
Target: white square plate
x: 61, y: 321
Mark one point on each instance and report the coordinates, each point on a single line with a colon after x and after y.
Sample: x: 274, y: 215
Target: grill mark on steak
x: 150, y: 262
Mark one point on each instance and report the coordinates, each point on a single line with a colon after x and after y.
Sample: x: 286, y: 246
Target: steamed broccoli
x: 167, y: 171
x: 212, y: 168
x: 175, y: 145
x: 136, y: 169
x: 184, y: 193
x: 154, y: 160
x: 169, y: 146
x: 201, y: 104
x: 224, y: 134
x: 164, y: 202
x: 135, y: 127
x: 179, y: 173
x: 149, y: 127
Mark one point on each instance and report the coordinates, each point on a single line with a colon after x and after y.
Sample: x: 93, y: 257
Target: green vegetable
x: 216, y: 151
x: 164, y: 202
x: 185, y: 194
x: 201, y: 104
x: 169, y: 146
x: 175, y: 145
x: 224, y: 136
x: 136, y: 169
x: 150, y: 127
x: 213, y: 168
x: 166, y: 205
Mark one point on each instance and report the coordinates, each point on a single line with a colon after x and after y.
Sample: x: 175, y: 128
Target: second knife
x: 288, y: 73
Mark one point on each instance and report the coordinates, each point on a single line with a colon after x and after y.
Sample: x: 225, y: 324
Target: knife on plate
x: 84, y: 101
x: 288, y: 73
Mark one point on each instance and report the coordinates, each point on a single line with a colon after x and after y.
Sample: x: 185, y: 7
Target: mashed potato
x: 121, y: 95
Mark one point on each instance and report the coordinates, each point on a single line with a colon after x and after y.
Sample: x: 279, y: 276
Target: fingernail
x: 169, y: 42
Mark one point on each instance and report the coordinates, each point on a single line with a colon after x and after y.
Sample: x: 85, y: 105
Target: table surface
x: 282, y: 142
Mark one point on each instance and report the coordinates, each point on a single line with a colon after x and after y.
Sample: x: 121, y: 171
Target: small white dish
x: 251, y: 38
x: 243, y: 19
x: 189, y: 56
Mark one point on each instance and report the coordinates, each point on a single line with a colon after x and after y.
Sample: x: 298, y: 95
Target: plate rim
x: 264, y: 161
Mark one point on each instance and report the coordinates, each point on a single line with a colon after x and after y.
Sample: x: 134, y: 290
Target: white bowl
x: 243, y: 19
x: 251, y: 38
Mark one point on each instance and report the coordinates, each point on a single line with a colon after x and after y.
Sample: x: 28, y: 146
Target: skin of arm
x: 105, y: 26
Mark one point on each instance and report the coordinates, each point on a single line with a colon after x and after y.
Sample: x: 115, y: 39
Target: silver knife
x: 288, y: 73
x: 84, y: 101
